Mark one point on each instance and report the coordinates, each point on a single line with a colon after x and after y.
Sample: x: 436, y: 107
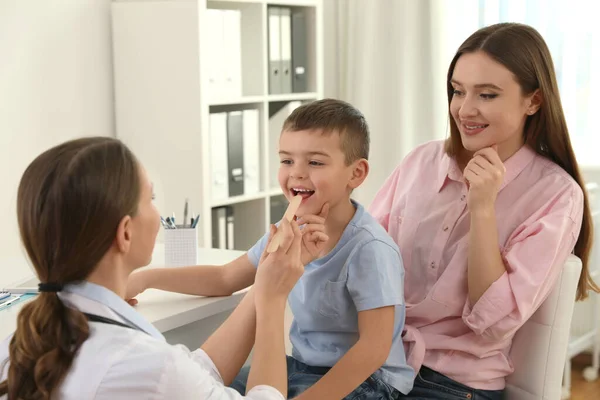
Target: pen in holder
x: 181, y: 246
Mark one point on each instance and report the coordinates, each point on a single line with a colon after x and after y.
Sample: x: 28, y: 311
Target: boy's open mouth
x: 305, y: 193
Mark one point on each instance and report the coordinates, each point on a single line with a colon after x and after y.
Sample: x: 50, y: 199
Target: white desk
x: 182, y: 318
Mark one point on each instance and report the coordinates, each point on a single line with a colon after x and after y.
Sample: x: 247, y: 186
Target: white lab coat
x: 120, y: 363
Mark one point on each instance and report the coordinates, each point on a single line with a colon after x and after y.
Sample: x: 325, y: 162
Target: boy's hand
x: 136, y: 284
x: 314, y: 237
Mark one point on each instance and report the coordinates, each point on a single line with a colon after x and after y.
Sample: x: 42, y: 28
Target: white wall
x: 388, y: 58
x: 55, y: 84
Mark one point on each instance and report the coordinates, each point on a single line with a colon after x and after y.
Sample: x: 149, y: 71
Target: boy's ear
x: 360, y: 170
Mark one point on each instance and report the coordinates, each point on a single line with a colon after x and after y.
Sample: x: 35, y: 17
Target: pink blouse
x: 423, y: 206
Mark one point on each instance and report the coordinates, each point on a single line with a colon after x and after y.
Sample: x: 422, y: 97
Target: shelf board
x: 293, y: 96
x: 238, y: 199
x: 237, y: 1
x: 297, y: 3
x: 239, y: 100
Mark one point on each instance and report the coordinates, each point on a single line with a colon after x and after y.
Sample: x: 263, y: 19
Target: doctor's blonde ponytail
x: 70, y: 201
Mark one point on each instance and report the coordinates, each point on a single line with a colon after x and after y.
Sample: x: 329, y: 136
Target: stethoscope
x: 108, y: 321
x: 93, y: 318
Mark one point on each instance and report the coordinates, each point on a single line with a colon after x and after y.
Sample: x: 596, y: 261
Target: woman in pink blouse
x: 486, y: 219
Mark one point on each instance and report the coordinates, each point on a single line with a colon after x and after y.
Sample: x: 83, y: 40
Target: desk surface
x: 163, y: 309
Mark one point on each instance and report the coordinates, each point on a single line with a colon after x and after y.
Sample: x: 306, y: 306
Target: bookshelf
x: 165, y: 95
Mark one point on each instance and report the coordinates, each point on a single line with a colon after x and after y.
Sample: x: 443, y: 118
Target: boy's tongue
x: 305, y: 194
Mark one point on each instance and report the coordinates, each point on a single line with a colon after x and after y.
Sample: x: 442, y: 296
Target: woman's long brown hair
x: 523, y: 51
x: 70, y: 202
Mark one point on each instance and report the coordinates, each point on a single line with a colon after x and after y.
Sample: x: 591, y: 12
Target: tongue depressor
x: 289, y: 215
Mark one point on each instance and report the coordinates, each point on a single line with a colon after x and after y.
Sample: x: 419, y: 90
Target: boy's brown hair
x: 334, y: 116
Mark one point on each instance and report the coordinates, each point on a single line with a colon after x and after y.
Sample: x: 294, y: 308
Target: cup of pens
x: 181, y: 240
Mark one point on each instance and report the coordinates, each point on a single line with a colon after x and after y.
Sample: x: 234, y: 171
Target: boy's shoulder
x: 365, y: 229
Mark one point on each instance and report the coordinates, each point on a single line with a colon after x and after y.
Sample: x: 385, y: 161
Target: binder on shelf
x: 275, y: 83
x: 223, y: 228
x: 224, y: 53
x: 278, y: 206
x: 232, y: 61
x: 218, y: 156
x: 285, y: 26
x: 251, y: 152
x: 299, y: 52
x: 216, y: 49
x: 235, y: 152
x: 230, y: 228
x: 219, y: 228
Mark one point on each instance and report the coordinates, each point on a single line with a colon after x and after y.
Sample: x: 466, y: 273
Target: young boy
x: 348, y: 306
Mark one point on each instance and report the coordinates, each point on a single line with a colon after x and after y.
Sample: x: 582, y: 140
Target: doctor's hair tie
x: 50, y: 287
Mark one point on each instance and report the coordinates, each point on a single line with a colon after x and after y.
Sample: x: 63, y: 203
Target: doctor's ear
x: 123, y: 237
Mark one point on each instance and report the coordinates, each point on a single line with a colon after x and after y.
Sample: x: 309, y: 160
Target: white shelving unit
x: 163, y: 103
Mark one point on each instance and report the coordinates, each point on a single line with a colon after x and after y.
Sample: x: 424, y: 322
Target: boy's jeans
x: 302, y: 376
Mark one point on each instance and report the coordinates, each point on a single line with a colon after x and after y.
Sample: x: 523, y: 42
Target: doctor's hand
x: 136, y: 284
x: 279, y: 271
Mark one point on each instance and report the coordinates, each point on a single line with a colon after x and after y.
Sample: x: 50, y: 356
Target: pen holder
x: 181, y: 247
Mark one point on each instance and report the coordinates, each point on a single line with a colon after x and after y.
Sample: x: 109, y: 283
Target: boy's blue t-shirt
x: 364, y: 271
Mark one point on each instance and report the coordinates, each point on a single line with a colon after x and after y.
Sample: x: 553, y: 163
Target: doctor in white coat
x: 87, y: 220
